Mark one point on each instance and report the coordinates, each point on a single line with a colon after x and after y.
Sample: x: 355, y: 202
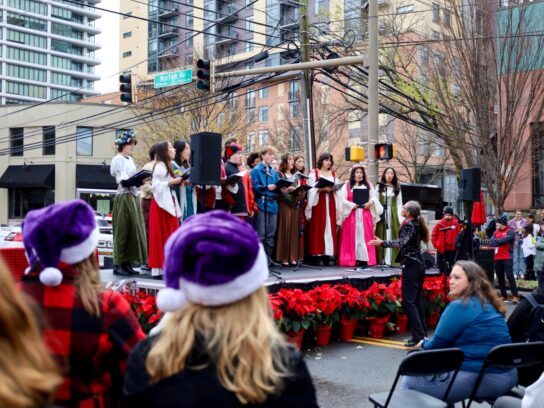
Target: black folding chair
x: 421, y: 363
x: 507, y: 356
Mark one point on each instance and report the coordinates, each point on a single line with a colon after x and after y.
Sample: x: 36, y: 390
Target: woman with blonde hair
x: 28, y: 375
x: 474, y: 322
x: 88, y: 330
x: 219, y: 346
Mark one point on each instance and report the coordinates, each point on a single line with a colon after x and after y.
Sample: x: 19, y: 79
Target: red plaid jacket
x: 92, y: 351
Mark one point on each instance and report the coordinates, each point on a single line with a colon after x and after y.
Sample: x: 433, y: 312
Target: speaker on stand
x: 469, y: 193
x: 205, y: 161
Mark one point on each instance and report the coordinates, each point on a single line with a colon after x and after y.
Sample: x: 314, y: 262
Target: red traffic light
x: 384, y: 151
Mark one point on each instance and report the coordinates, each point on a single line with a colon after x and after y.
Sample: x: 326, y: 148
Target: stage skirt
x: 161, y: 225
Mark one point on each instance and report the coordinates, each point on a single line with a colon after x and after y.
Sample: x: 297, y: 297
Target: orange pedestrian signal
x: 384, y: 151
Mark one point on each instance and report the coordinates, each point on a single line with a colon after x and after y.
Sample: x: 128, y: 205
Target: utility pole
x: 306, y: 88
x: 373, y: 108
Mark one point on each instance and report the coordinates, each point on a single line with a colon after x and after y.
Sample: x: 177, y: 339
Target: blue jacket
x: 260, y: 182
x: 473, y: 327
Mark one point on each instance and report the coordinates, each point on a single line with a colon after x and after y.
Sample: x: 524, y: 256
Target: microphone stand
x: 276, y: 274
x: 386, y: 226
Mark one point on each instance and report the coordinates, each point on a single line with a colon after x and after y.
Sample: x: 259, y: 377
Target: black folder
x: 283, y: 183
x: 323, y: 182
x: 138, y: 179
x: 360, y: 196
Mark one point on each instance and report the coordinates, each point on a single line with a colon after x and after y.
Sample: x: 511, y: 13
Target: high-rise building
x: 48, y: 50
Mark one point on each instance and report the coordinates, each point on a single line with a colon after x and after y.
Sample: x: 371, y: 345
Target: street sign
x: 173, y: 78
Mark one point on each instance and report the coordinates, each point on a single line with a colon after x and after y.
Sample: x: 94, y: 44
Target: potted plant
x: 351, y: 310
x: 433, y: 299
x: 328, y: 301
x: 298, y: 312
x: 383, y: 303
x: 401, y: 318
x: 145, y: 309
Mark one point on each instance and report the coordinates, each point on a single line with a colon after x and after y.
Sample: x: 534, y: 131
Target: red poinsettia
x: 328, y: 301
x: 383, y: 300
x: 434, y: 290
x: 353, y: 301
x: 298, y: 309
x: 276, y: 304
x: 145, y: 309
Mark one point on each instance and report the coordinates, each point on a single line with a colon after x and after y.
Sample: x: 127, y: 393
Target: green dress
x: 388, y: 256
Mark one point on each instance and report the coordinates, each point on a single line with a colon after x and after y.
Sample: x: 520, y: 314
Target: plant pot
x: 347, y: 328
x: 376, y: 327
x: 432, y: 318
x: 402, y: 323
x: 323, y: 334
x: 296, y: 337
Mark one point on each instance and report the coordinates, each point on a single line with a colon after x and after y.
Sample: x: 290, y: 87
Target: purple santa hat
x: 213, y: 259
x: 64, y: 232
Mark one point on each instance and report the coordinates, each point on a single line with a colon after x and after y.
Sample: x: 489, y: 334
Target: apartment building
x: 47, y: 50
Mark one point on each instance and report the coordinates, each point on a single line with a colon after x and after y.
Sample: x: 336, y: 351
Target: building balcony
x: 168, y: 32
x: 171, y: 52
x: 168, y: 12
x: 289, y: 3
x: 289, y: 23
x: 227, y: 15
x: 221, y: 41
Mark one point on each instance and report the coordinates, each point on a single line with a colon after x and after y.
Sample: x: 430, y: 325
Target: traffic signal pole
x: 306, y: 90
x: 373, y: 108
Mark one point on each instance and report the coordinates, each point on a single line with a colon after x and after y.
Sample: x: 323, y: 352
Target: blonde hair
x: 88, y: 284
x: 240, y: 339
x: 28, y: 375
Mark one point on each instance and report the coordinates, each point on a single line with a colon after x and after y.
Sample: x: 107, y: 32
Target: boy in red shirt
x: 503, y: 239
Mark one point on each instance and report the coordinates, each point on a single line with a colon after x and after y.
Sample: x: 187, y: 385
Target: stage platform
x: 304, y: 278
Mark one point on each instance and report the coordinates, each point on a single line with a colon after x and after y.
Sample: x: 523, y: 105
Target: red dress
x: 318, y: 222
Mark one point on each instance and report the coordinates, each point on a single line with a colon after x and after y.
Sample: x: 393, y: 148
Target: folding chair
x: 421, y: 363
x: 507, y: 356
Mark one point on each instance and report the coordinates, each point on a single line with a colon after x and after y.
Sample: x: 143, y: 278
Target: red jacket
x: 445, y: 240
x: 503, y: 241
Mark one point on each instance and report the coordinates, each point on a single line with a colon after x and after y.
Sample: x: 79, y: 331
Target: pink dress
x: 357, y: 228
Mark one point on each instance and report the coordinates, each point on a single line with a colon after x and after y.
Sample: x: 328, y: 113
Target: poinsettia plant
x: 354, y: 302
x: 383, y: 300
x: 328, y: 301
x: 145, y: 309
x: 296, y: 310
x: 434, y: 294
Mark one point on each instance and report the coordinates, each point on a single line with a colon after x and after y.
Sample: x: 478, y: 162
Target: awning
x: 94, y: 176
x: 29, y: 176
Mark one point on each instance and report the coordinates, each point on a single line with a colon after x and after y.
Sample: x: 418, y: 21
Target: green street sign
x: 173, y: 78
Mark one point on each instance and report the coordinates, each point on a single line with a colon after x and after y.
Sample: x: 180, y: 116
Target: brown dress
x: 289, y: 248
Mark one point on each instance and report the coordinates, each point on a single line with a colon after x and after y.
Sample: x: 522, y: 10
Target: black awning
x: 29, y: 176
x: 94, y: 176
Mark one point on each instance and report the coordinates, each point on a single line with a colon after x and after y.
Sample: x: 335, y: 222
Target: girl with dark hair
x: 357, y: 222
x: 390, y: 197
x: 321, y: 212
x: 474, y: 322
x: 412, y: 231
x: 186, y: 194
x: 164, y: 212
x: 299, y: 164
x: 287, y: 242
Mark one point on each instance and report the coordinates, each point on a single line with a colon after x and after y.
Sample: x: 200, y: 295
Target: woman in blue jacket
x: 474, y: 322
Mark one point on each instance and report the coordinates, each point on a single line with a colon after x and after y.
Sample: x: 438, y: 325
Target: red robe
x: 316, y: 226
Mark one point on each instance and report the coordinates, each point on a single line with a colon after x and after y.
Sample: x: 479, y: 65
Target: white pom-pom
x: 51, y: 277
x: 170, y: 300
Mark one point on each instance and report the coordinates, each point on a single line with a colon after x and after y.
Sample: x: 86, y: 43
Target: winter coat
x: 445, y: 240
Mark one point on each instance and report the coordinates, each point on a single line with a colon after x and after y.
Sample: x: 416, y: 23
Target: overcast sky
x: 109, y: 53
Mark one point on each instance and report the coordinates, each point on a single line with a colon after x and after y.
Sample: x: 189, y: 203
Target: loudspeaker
x: 206, y: 158
x: 469, y: 188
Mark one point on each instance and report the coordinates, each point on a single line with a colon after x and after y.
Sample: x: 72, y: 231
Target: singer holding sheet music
x: 129, y: 237
x: 237, y: 203
x: 359, y: 210
x: 185, y: 192
x: 321, y: 213
x: 390, y: 197
x: 164, y: 212
x: 287, y: 232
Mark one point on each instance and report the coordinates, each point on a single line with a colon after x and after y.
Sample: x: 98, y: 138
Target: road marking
x: 374, y: 342
x: 395, y: 342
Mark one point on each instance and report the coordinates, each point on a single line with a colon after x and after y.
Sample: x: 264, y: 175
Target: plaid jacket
x: 92, y: 351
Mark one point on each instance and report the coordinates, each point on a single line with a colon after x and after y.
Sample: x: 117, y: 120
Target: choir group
x: 298, y: 214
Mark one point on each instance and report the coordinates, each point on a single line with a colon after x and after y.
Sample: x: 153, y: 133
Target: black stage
x: 304, y: 278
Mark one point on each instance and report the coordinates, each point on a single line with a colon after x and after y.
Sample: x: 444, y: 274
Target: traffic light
x: 204, y: 74
x: 126, y: 87
x: 355, y: 153
x: 384, y: 151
